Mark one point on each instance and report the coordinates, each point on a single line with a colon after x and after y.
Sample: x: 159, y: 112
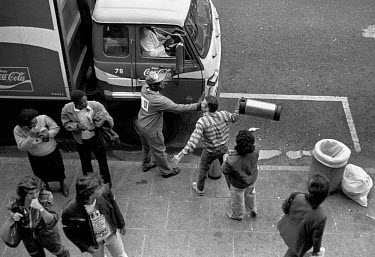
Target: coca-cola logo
x: 15, y: 78
x: 168, y: 72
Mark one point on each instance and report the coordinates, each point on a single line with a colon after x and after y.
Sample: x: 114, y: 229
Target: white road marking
x: 343, y: 100
x: 369, y: 31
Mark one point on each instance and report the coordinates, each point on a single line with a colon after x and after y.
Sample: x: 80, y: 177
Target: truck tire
x: 126, y: 124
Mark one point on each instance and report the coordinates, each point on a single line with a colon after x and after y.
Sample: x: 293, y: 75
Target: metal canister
x: 260, y: 109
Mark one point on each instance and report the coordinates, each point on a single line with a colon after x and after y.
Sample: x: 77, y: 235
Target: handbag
x: 10, y: 233
x: 107, y: 136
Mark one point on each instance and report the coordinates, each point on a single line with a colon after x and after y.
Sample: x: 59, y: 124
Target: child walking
x: 241, y: 171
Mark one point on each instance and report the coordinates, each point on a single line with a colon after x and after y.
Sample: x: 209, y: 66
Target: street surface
x: 314, y: 57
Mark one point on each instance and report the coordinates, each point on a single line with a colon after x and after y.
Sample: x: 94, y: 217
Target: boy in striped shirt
x: 213, y: 128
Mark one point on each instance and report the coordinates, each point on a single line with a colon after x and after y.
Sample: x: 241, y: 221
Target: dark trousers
x: 206, y: 160
x: 84, y: 151
x: 36, y: 241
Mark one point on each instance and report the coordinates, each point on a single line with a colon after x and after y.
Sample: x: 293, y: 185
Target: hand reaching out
x: 177, y: 158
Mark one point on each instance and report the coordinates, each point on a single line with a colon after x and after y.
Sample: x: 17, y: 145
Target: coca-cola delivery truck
x: 50, y: 47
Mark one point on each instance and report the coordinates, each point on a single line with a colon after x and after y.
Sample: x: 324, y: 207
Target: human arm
x: 51, y: 127
x: 24, y: 141
x: 317, y: 236
x: 67, y: 119
x: 163, y: 103
x: 107, y: 193
x: 191, y: 144
x: 48, y: 216
x: 103, y: 114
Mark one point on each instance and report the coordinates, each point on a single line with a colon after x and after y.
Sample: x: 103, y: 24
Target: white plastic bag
x: 356, y: 184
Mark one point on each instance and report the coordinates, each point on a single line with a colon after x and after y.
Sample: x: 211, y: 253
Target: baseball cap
x: 154, y: 77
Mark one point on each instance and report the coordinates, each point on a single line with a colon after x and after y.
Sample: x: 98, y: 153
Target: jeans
x: 36, y: 241
x: 242, y: 199
x: 84, y: 151
x: 154, y: 145
x: 206, y: 160
x: 289, y: 253
x: 114, y: 245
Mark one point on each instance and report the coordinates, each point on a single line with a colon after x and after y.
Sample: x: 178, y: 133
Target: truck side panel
x: 43, y: 53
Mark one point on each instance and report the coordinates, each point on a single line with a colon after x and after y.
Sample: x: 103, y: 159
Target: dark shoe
x: 195, y: 187
x: 145, y: 169
x: 174, y: 172
x: 253, y: 213
x: 231, y: 216
x: 64, y: 189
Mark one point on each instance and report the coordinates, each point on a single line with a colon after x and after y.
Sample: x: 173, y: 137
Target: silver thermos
x: 260, y: 109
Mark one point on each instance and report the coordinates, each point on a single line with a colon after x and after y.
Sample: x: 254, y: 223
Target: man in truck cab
x: 150, y: 123
x: 153, y: 43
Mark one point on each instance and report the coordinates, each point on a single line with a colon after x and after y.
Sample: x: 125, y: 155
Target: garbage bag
x: 356, y: 184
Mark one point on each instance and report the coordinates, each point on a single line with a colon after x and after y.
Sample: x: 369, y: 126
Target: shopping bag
x: 10, y: 233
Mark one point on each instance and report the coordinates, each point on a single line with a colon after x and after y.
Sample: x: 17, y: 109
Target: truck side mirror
x: 180, y: 58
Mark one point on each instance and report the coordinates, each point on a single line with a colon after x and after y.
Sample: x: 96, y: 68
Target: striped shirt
x: 214, y: 130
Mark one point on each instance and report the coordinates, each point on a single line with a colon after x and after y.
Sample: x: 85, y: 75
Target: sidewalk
x: 165, y: 218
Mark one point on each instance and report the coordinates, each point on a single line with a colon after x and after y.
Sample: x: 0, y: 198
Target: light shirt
x: 85, y: 117
x: 152, y: 44
x: 100, y: 225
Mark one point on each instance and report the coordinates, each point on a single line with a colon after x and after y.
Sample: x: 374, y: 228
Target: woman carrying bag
x: 36, y: 218
x: 303, y: 224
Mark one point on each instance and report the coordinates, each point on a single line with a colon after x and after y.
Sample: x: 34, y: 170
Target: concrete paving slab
x: 165, y: 217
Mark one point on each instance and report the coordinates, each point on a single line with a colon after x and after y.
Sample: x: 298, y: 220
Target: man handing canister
x: 150, y: 123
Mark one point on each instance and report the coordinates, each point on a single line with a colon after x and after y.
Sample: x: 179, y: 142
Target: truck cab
x: 125, y: 31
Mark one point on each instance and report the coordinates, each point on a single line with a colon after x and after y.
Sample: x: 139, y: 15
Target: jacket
x: 303, y: 227
x: 76, y: 222
x: 242, y: 171
x: 31, y: 217
x: 150, y: 116
x: 35, y: 146
x: 70, y: 120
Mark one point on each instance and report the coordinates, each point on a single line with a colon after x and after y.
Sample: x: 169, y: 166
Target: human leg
x: 289, y: 253
x: 115, y: 246
x: 237, y: 201
x: 50, y: 240
x: 250, y: 200
x: 33, y: 247
x: 157, y: 147
x: 101, y: 157
x: 147, y: 163
x: 206, y: 160
x: 84, y: 152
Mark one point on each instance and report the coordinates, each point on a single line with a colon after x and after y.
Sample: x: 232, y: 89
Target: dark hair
x: 77, y: 95
x: 318, y: 188
x: 245, y: 142
x: 86, y: 186
x: 27, y: 184
x: 212, y: 103
x: 155, y: 86
x: 25, y: 116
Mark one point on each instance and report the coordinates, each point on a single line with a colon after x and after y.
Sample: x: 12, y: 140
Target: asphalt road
x: 282, y: 48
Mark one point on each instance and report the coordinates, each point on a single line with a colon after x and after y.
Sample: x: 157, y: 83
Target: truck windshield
x: 116, y: 40
x: 198, y: 25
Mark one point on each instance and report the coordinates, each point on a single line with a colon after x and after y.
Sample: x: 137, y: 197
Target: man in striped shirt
x: 213, y: 128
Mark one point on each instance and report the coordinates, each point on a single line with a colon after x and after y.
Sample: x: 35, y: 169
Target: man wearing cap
x: 150, y: 123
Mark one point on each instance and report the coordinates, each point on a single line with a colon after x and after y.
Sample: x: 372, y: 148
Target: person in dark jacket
x: 303, y: 224
x: 33, y: 210
x: 150, y: 123
x: 241, y: 171
x: 93, y: 219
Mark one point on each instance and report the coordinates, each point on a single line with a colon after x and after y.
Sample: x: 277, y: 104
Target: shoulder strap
x: 292, y: 196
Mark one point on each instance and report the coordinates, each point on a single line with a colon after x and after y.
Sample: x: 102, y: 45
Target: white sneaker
x: 195, y: 187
